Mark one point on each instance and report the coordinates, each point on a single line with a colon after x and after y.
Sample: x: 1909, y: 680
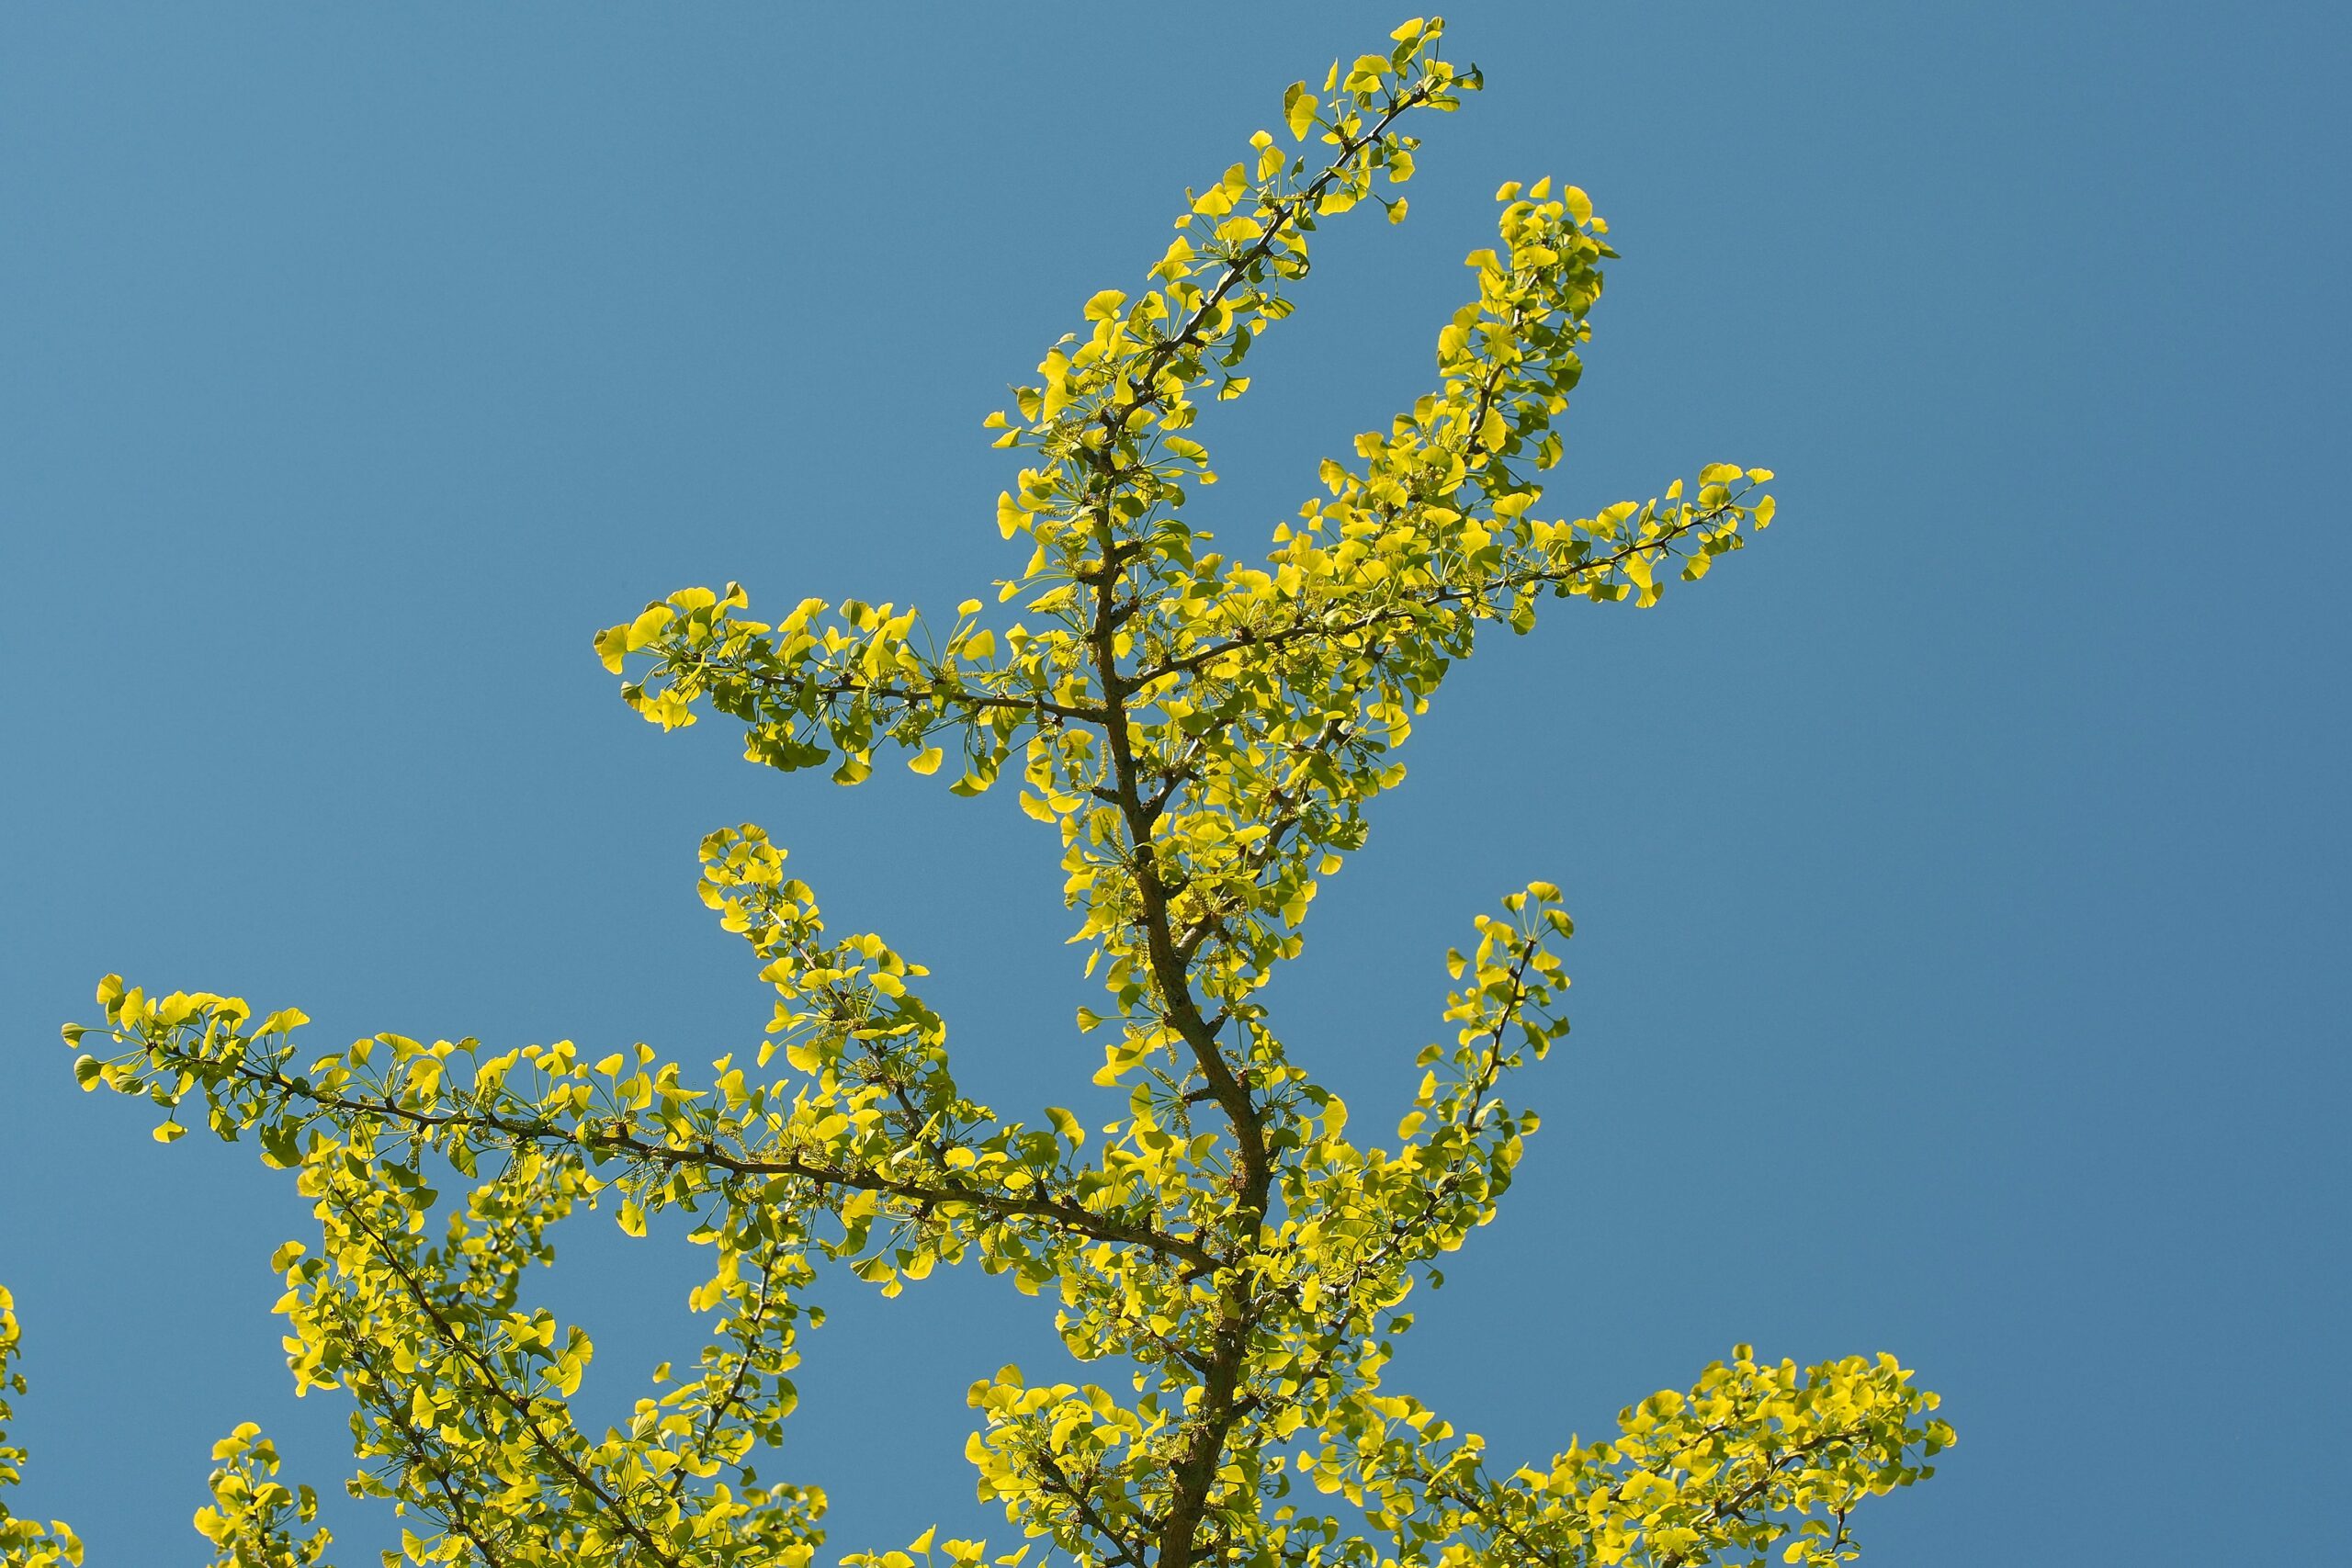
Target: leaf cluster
x: 1203, y: 734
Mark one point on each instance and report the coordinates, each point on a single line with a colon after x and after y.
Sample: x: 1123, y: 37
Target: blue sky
x: 1959, y: 876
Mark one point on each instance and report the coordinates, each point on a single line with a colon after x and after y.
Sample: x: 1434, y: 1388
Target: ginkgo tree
x: 1204, y: 734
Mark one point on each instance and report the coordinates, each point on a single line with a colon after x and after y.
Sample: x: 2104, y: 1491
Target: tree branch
x: 1066, y: 1212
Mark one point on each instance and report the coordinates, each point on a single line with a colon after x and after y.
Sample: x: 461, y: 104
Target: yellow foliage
x: 1203, y: 735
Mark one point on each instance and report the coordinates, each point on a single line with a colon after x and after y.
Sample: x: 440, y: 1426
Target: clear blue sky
x: 1961, y: 876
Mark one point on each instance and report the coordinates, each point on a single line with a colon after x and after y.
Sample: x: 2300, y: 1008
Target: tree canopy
x: 1204, y: 733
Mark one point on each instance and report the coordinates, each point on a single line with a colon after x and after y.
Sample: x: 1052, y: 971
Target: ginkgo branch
x: 495, y: 1386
